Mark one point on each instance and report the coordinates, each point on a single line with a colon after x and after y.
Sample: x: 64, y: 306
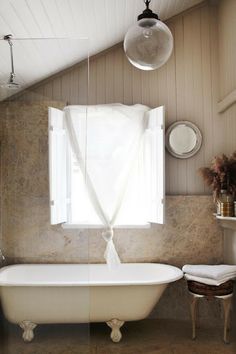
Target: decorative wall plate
x: 183, y: 139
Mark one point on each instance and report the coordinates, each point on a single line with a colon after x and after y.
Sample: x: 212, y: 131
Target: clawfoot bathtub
x: 71, y: 293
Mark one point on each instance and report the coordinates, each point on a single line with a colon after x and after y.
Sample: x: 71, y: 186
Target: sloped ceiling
x: 101, y: 24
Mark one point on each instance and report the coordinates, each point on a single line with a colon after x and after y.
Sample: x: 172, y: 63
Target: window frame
x: 156, y: 115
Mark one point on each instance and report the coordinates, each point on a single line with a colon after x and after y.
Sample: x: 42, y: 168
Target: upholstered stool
x: 223, y: 292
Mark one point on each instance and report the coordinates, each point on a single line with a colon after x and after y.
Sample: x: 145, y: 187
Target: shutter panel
x: 156, y: 128
x: 57, y: 166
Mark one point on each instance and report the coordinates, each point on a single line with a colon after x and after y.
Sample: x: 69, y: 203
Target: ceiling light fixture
x: 149, y: 43
x: 11, y: 84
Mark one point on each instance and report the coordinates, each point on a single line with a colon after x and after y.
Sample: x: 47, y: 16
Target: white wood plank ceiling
x: 103, y: 22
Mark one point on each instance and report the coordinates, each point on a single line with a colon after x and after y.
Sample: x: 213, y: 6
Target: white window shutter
x: 156, y: 127
x: 57, y: 166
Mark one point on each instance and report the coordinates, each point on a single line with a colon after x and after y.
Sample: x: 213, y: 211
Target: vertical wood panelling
x: 227, y: 51
x: 128, y: 93
x: 74, y: 86
x: 101, y: 80
x: 189, y: 93
x: 92, y: 82
x: 197, y: 183
x: 179, y: 176
x: 145, y: 79
x: 171, y: 163
x: 109, y: 77
x: 137, y: 85
x: 127, y: 82
x: 187, y: 85
x: 219, y: 126
x: 208, y: 119
x: 153, y: 88
x: 118, y: 76
x: 66, y: 87
x: 227, y: 46
x: 48, y: 89
x: 83, y: 85
x: 56, y: 86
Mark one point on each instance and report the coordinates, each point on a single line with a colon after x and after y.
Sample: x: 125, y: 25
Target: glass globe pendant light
x: 149, y: 43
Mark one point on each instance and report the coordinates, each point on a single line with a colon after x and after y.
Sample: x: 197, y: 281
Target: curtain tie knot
x: 108, y: 234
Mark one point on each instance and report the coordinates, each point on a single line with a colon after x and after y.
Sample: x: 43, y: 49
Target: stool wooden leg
x: 193, y: 306
x: 227, y: 306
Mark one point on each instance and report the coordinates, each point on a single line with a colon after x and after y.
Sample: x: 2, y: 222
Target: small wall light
x: 11, y: 84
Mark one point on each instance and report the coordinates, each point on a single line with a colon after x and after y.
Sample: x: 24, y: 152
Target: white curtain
x: 106, y: 141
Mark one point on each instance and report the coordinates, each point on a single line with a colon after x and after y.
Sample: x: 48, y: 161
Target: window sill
x: 89, y: 226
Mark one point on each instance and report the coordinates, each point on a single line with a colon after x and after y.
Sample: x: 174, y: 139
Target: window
x: 132, y: 187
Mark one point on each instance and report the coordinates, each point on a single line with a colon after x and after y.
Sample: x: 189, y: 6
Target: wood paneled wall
x: 227, y: 46
x: 187, y: 85
x: 227, y: 73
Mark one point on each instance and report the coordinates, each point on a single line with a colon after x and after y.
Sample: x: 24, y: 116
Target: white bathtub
x: 68, y: 293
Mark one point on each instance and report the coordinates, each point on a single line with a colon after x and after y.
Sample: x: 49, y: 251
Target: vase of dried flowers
x: 221, y: 177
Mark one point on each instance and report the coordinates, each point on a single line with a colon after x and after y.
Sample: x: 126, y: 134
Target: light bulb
x: 147, y: 32
x: 148, y: 44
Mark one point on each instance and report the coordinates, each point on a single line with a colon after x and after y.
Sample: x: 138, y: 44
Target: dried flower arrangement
x: 221, y: 175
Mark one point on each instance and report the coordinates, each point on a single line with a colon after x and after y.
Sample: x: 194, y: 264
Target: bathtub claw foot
x: 28, y: 330
x: 115, y: 325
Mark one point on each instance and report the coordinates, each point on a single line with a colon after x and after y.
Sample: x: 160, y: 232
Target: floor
x: 149, y: 337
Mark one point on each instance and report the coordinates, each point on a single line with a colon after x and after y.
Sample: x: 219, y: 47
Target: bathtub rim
x: 177, y: 275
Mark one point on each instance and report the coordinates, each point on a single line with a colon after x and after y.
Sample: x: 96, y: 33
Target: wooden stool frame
x: 227, y: 301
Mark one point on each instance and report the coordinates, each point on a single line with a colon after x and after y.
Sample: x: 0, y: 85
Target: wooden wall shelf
x: 227, y: 102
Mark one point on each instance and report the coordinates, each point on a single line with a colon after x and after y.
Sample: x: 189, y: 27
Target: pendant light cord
x: 147, y: 2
